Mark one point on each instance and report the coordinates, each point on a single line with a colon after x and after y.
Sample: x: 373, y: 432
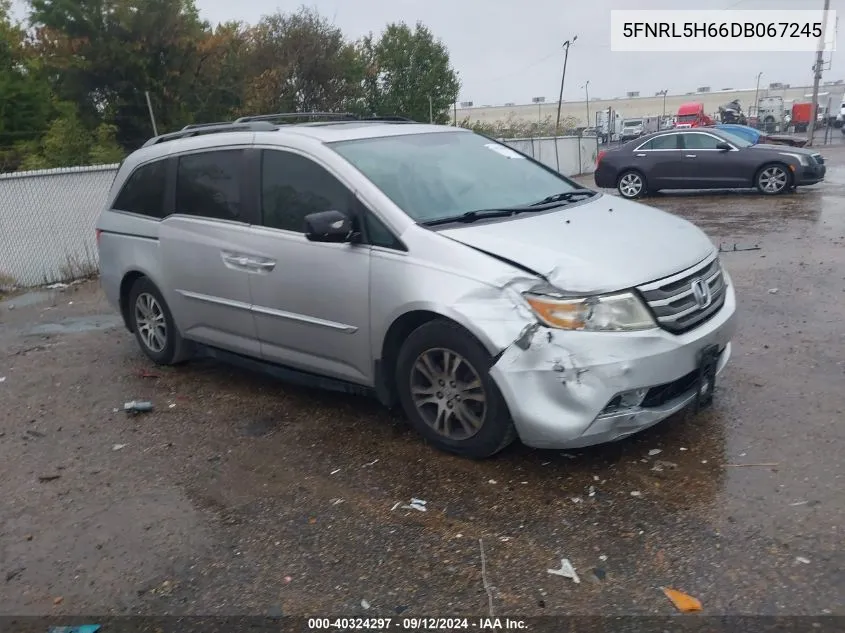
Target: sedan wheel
x: 631, y: 185
x: 150, y: 318
x: 772, y: 180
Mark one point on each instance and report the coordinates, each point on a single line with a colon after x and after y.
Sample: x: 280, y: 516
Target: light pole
x: 586, y: 88
x: 814, y: 107
x: 663, y: 116
x: 756, y: 101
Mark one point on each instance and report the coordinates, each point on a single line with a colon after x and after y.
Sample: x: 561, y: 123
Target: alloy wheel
x: 448, y: 393
x: 631, y: 185
x: 150, y: 322
x: 773, y: 179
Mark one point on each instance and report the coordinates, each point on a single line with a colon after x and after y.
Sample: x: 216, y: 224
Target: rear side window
x: 208, y: 185
x: 664, y: 142
x: 293, y: 186
x: 143, y: 191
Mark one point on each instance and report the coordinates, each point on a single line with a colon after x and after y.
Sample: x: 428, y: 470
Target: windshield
x: 687, y: 117
x: 735, y: 139
x: 446, y: 174
x: 632, y: 123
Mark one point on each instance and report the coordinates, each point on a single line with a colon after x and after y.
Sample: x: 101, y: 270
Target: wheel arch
x: 399, y: 329
x: 775, y: 163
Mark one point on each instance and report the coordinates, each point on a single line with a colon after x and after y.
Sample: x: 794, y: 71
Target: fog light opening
x: 632, y: 399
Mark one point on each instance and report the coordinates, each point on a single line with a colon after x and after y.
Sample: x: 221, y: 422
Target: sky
x: 511, y: 50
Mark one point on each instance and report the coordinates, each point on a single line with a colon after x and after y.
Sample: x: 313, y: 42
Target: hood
x: 602, y: 245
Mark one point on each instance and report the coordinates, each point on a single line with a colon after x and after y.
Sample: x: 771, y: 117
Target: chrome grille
x: 673, y: 299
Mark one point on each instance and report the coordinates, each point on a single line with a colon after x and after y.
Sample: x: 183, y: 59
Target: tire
x: 627, y: 184
x: 145, y: 301
x: 478, y: 426
x: 773, y: 179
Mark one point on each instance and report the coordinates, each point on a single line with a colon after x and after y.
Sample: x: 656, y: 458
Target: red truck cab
x: 801, y: 113
x: 692, y: 115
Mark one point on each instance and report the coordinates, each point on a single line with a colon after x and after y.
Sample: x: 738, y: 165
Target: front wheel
x: 443, y: 380
x: 773, y: 179
x: 631, y: 185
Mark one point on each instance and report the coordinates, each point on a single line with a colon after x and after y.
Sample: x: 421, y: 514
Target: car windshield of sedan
x: 734, y: 139
x: 445, y: 174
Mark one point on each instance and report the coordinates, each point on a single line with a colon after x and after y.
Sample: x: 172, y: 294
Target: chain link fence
x: 47, y: 221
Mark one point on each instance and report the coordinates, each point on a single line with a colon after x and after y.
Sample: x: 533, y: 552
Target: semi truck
x: 771, y: 113
x: 692, y: 115
x: 635, y: 128
x: 608, y: 125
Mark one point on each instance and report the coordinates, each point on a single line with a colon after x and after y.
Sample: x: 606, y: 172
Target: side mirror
x: 328, y: 226
x: 725, y: 147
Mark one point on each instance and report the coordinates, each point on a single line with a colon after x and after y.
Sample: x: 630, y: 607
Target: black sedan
x: 705, y: 158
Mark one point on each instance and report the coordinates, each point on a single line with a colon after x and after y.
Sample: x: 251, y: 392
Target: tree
x: 67, y: 143
x: 300, y: 63
x: 408, y: 73
x: 24, y: 96
x: 103, y: 55
x: 105, y: 149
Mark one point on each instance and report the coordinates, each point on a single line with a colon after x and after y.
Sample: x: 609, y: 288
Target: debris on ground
x: 683, y: 602
x: 801, y: 559
x: 596, y: 575
x: 566, y: 570
x: 137, y: 406
x: 57, y: 286
x: 288, y: 580
x: 416, y: 504
x: 118, y: 447
x: 375, y: 461
x: 147, y: 374
x: 81, y: 628
x: 492, y: 481
x: 568, y: 455
x: 773, y: 291
x: 683, y: 448
x: 58, y: 600
x: 335, y: 471
x: 2, y: 379
x: 336, y: 502
x: 592, y: 491
x: 769, y: 464
x: 46, y: 478
x: 799, y: 503
x: 660, y: 465
x: 636, y: 493
x: 723, y: 248
x: 654, y: 451
x: 603, y: 557
x: 577, y: 500
x: 365, y: 604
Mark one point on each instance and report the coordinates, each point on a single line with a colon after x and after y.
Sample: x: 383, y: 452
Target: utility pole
x: 566, y: 45
x: 811, y: 128
x: 430, y: 110
x: 756, y: 100
x: 455, y: 110
x: 586, y: 88
x: 152, y: 116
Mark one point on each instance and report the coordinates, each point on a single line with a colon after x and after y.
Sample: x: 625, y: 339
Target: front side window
x: 700, y: 141
x: 143, y: 192
x: 293, y: 186
x: 440, y: 175
x: 208, y: 184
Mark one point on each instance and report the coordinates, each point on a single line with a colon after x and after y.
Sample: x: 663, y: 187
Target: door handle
x: 690, y: 155
x: 236, y: 260
x: 264, y: 264
x: 641, y: 155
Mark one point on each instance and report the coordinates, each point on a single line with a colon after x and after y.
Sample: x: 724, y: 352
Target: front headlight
x: 803, y: 159
x: 623, y: 312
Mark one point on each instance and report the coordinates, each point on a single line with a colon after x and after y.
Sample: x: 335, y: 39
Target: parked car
x: 705, y: 159
x: 489, y: 295
x: 756, y: 137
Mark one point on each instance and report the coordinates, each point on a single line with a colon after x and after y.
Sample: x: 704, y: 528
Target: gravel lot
x: 242, y: 495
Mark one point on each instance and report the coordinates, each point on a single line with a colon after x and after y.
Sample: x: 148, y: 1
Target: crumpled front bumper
x: 559, y: 388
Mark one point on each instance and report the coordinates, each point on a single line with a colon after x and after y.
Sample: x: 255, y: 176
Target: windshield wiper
x: 566, y: 196
x: 472, y: 216
x: 480, y: 214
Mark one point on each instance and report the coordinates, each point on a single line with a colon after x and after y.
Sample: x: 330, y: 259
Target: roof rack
x: 213, y: 128
x: 282, y: 116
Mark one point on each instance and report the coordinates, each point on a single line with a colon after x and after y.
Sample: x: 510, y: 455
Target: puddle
x: 74, y: 325
x: 27, y: 299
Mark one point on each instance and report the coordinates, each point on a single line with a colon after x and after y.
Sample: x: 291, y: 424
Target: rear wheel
x: 773, y: 179
x: 154, y: 327
x: 443, y: 380
x: 631, y: 184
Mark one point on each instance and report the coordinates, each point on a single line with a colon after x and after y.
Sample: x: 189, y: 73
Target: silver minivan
x: 488, y: 295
